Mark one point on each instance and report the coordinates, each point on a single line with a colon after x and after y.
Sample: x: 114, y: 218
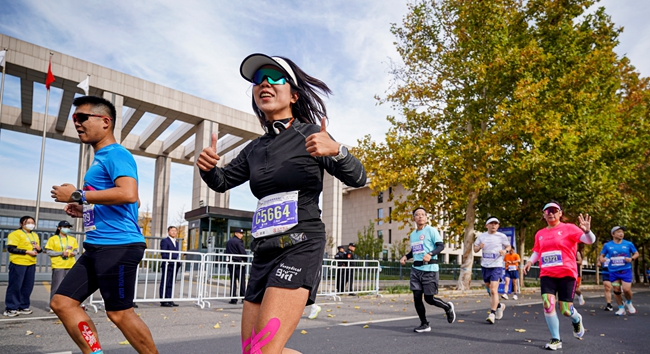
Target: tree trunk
x: 521, y: 245
x: 465, y: 276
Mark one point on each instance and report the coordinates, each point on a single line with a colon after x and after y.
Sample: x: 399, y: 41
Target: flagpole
x: 2, y: 85
x: 40, y: 170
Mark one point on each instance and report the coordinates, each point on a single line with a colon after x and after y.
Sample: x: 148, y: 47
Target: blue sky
x: 196, y: 46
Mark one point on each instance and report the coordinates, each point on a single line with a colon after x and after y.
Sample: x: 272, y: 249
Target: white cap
x: 615, y: 228
x: 255, y: 61
x: 492, y: 219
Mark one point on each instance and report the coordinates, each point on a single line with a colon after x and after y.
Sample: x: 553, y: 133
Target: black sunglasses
x: 82, y: 117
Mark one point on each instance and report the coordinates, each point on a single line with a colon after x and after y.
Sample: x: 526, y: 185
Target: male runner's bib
x: 275, y: 214
x: 417, y: 247
x: 551, y: 259
x: 618, y: 261
x: 490, y: 255
x: 512, y: 268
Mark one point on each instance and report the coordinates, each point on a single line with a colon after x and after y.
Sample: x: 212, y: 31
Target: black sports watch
x: 343, y: 152
x: 77, y: 196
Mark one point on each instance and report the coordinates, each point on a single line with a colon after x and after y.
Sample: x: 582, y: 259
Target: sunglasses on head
x: 272, y: 76
x: 82, y: 117
x: 549, y: 211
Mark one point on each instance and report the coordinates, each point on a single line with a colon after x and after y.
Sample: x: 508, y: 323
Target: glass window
x: 380, y: 234
x: 390, y: 236
x: 390, y: 215
x: 380, y: 197
x: 380, y: 216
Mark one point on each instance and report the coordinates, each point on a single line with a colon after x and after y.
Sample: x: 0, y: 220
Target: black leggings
x: 431, y: 300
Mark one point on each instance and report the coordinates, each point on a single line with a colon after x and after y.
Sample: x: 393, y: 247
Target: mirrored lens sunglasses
x: 549, y: 211
x: 272, y: 76
x: 82, y: 117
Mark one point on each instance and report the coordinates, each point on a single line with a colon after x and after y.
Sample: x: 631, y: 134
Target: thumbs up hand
x: 208, y: 158
x: 320, y: 144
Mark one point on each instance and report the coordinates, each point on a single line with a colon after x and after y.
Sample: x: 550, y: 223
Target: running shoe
x: 491, y: 318
x: 630, y: 309
x: 314, y: 312
x: 609, y: 307
x: 25, y: 311
x: 553, y: 344
x: 504, y: 296
x: 500, y: 310
x: 578, y: 328
x: 514, y: 297
x: 581, y: 300
x: 451, y: 314
x: 10, y: 313
x: 423, y: 328
x: 621, y: 311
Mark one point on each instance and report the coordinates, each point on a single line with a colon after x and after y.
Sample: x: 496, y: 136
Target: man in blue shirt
x: 620, y: 253
x: 114, y: 245
x: 426, y: 244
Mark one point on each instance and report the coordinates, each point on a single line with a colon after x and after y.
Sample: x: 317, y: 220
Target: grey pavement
x: 366, y: 324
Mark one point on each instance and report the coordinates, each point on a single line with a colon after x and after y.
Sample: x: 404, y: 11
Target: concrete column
x: 332, y: 209
x: 118, y: 102
x: 200, y: 191
x: 160, y: 212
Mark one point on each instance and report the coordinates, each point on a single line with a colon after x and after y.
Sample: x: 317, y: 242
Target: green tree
x: 369, y: 246
x: 506, y: 104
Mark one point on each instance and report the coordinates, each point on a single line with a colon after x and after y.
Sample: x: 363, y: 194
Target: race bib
x: 417, y: 247
x: 490, y: 255
x: 275, y: 214
x: 512, y: 268
x: 618, y: 261
x: 89, y: 217
x: 551, y: 259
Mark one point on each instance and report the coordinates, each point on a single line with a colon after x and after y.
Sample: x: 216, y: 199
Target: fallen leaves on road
x: 520, y: 330
x: 29, y: 333
x: 126, y: 342
x: 217, y: 326
x: 303, y: 332
x: 366, y: 326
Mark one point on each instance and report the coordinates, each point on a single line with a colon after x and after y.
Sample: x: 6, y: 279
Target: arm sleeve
x: 439, y: 247
x: 409, y: 255
x: 232, y: 175
x: 53, y: 253
x: 15, y: 250
x: 588, y: 238
x: 534, y: 258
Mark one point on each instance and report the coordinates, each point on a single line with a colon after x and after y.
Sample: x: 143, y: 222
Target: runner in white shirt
x: 494, y: 245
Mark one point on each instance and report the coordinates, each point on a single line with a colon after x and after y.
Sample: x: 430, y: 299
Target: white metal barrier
x: 201, y: 278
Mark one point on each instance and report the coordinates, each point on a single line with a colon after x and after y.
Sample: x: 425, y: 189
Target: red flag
x: 50, y: 78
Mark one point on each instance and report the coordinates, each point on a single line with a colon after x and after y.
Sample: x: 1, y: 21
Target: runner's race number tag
x: 512, y: 268
x: 89, y: 217
x: 417, y: 247
x: 275, y: 214
x: 618, y: 261
x: 551, y: 259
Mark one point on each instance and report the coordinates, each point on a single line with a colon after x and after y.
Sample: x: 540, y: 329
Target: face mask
x: 30, y: 227
x: 65, y: 230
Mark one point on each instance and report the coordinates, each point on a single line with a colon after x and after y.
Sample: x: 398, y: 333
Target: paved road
x: 340, y: 328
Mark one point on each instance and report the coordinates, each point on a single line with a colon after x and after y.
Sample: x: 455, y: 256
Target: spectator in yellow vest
x: 23, y: 246
x: 62, y: 249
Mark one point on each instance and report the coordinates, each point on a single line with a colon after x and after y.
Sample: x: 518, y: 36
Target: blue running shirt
x: 616, y: 253
x: 115, y: 224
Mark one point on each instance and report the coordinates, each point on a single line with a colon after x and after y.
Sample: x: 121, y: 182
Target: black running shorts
x: 111, y: 269
x: 427, y: 282
x: 563, y: 288
x: 294, y: 267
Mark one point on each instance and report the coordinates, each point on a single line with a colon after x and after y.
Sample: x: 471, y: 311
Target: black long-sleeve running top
x: 280, y: 163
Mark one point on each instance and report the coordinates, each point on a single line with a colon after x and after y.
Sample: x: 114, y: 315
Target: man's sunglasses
x: 82, y: 117
x: 272, y: 76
